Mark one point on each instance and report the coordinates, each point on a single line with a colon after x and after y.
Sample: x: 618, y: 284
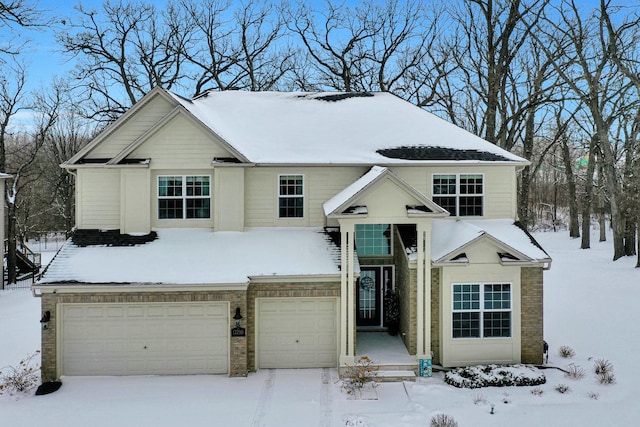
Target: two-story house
x: 238, y: 231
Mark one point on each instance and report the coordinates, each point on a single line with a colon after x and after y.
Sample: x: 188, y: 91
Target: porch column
x: 423, y: 309
x: 347, y: 292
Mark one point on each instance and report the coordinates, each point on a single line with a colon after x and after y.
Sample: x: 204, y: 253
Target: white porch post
x: 423, y: 309
x: 347, y: 342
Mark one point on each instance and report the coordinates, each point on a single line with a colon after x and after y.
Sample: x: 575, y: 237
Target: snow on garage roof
x: 337, y: 128
x: 199, y: 256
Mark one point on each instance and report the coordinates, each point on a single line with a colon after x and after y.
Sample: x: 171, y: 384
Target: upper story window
x: 481, y: 311
x: 184, y: 197
x: 290, y: 196
x: 373, y: 239
x: 460, y: 194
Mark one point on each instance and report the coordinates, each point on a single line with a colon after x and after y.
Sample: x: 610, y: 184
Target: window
x: 460, y: 194
x: 291, y: 197
x: 373, y: 239
x: 184, y: 197
x: 485, y: 314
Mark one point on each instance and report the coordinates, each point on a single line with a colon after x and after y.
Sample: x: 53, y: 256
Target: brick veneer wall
x: 406, y: 278
x: 435, y: 313
x: 281, y: 290
x: 532, y: 314
x: 238, y: 345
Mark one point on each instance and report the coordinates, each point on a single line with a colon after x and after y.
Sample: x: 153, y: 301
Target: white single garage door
x: 297, y: 332
x: 144, y: 339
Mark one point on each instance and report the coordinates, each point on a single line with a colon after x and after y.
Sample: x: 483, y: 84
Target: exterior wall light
x: 237, y: 317
x: 46, y: 317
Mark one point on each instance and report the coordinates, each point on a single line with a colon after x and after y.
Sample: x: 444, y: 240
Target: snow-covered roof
x: 337, y: 128
x: 354, y: 188
x: 447, y: 236
x: 200, y: 256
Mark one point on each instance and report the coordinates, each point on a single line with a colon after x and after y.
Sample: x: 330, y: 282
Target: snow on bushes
x: 494, y: 376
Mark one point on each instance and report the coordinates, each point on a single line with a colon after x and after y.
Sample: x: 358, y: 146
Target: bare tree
x: 492, y: 33
x: 336, y: 39
x: 21, y: 151
x: 123, y: 51
x: 16, y: 14
x: 588, y: 71
x: 622, y: 39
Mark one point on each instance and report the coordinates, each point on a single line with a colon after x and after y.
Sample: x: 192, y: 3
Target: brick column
x: 532, y: 326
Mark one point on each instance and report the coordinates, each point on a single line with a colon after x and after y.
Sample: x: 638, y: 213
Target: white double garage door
x: 192, y: 338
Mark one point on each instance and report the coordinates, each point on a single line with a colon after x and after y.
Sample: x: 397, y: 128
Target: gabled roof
x: 450, y: 239
x: 121, y: 158
x: 344, y: 200
x: 337, y: 128
x: 302, y: 128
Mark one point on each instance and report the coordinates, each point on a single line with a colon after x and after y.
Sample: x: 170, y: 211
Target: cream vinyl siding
x: 180, y: 223
x: 500, y: 196
x: 135, y: 126
x: 98, y: 199
x: 135, y: 201
x: 320, y: 184
x: 179, y: 144
x: 228, y: 199
x: 484, y: 268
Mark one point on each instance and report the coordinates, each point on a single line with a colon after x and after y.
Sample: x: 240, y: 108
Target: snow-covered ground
x: 590, y: 305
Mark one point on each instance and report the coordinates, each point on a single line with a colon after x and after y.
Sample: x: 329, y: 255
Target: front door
x: 374, y: 282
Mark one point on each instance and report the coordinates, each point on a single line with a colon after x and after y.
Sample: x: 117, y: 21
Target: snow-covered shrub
x: 574, y: 372
x: 606, y: 378
x: 566, y: 351
x: 21, y: 378
x: 593, y: 395
x: 562, y: 388
x: 355, y: 421
x: 480, y: 399
x: 494, y: 376
x: 604, y: 371
x: 602, y: 366
x: 443, y: 420
x: 357, y: 375
x: 537, y: 392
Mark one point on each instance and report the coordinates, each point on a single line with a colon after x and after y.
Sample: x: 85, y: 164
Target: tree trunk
x: 11, y: 243
x: 574, y: 225
x: 524, y: 215
x: 630, y: 238
x: 587, y: 198
x: 613, y: 190
x: 602, y: 218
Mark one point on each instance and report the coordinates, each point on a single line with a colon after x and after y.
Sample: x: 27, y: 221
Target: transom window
x: 291, y: 196
x: 460, y: 194
x: 481, y: 310
x: 373, y: 239
x: 184, y: 197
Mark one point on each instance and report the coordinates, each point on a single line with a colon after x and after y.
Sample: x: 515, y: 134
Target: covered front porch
x: 380, y: 198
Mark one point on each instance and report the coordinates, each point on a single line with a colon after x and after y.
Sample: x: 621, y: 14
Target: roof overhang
x: 345, y: 203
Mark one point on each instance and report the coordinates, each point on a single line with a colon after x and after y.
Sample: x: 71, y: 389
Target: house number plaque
x: 238, y: 332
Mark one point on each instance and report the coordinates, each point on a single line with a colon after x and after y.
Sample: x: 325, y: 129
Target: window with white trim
x: 290, y: 196
x: 373, y: 239
x: 481, y: 310
x: 184, y: 197
x: 460, y: 194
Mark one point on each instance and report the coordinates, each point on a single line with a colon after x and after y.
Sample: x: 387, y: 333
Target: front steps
x: 396, y: 373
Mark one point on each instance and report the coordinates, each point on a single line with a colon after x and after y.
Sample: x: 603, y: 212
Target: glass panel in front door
x: 369, y: 297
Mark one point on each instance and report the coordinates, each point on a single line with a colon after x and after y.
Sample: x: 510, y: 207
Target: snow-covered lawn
x: 590, y: 305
